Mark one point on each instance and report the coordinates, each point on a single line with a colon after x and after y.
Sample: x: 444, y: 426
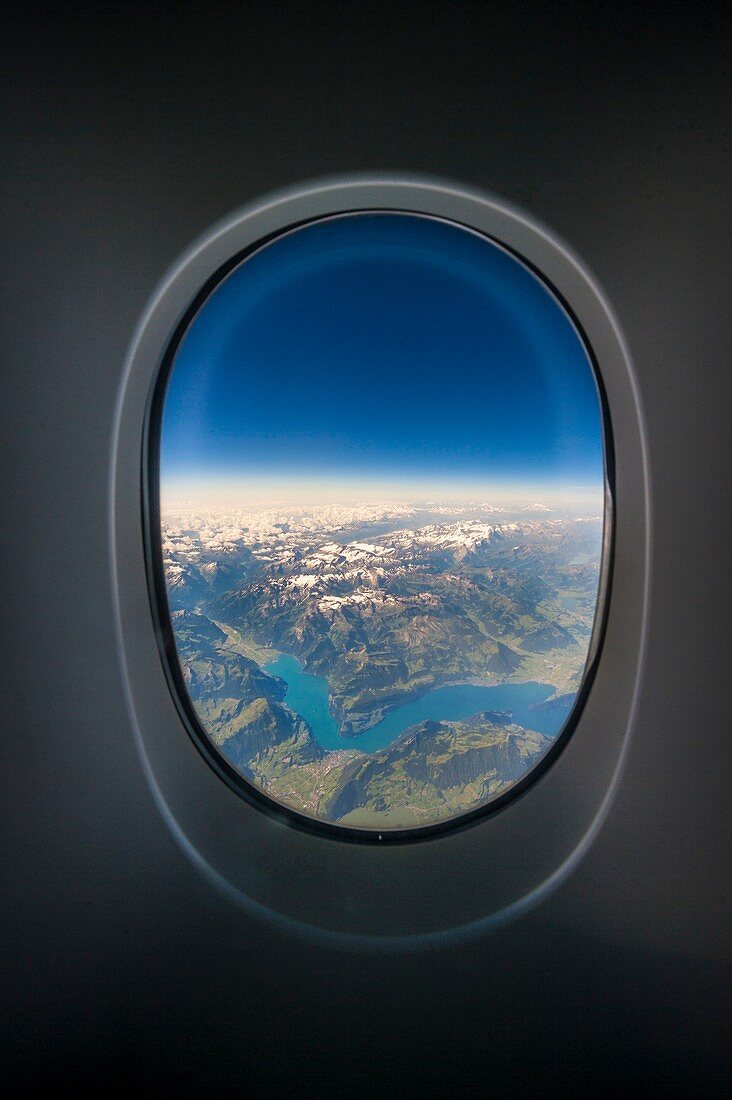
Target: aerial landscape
x: 382, y: 513
x: 382, y: 665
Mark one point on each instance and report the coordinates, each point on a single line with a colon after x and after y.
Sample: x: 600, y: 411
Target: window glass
x: 381, y: 501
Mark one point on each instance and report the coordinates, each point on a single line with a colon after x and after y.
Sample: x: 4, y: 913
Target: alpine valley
x: 383, y: 665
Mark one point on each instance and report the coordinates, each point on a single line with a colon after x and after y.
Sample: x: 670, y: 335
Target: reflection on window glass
x: 381, y: 498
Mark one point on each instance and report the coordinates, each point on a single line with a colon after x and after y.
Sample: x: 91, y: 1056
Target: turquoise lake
x: 308, y: 696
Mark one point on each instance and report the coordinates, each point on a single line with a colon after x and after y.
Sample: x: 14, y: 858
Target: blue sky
x: 378, y: 351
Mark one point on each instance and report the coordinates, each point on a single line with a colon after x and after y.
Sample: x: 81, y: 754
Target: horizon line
x: 291, y: 496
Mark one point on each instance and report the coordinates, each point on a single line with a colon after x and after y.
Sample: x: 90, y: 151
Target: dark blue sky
x: 380, y: 348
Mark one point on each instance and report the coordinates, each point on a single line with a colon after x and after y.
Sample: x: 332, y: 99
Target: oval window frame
x: 386, y: 894
x: 158, y: 589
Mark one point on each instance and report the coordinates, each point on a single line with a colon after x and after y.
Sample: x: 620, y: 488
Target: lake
x: 308, y: 696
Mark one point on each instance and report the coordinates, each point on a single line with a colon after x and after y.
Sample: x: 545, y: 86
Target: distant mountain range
x: 384, y: 616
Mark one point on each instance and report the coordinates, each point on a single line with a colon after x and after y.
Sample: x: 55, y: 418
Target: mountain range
x: 385, y: 607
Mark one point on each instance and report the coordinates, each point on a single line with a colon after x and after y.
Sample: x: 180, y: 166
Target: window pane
x: 382, y: 508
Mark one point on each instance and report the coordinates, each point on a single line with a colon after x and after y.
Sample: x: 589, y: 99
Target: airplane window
x: 379, y: 471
